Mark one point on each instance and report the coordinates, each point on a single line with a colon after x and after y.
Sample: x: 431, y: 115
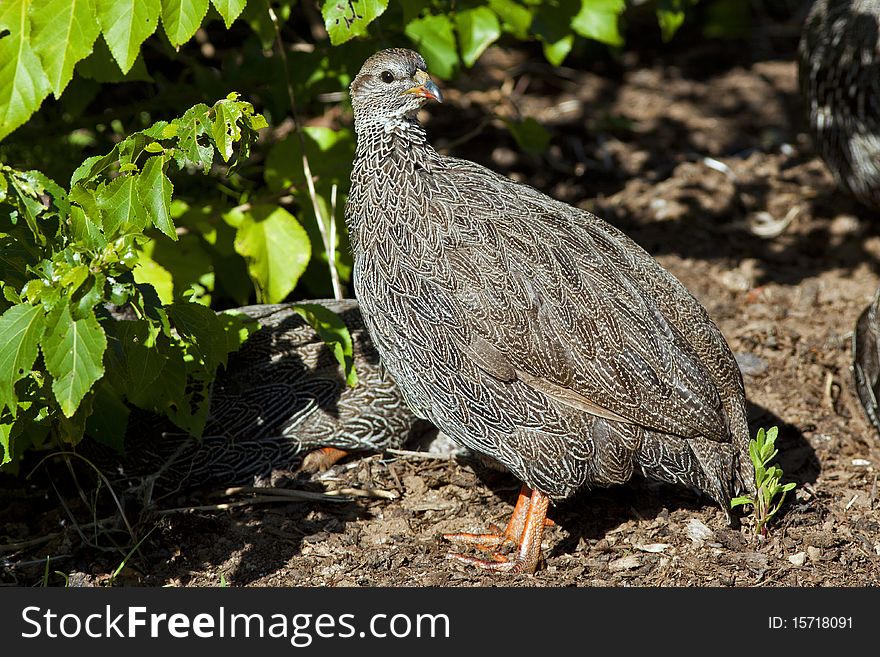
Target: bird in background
x: 528, y: 330
x: 839, y: 75
x: 281, y: 402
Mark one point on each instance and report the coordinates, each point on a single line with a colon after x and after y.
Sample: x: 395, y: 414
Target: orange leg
x: 496, y: 538
x: 525, y: 529
x: 322, y: 459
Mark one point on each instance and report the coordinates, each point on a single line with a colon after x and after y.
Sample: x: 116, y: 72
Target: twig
x: 419, y: 455
x: 327, y: 496
x: 286, y: 493
x: 34, y: 542
x: 101, y: 476
x: 380, y: 493
x: 329, y: 243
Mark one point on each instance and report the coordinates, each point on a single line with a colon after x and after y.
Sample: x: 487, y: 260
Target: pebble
x: 814, y: 553
x: 697, y: 531
x: 625, y: 563
x: 750, y: 364
x: 798, y: 559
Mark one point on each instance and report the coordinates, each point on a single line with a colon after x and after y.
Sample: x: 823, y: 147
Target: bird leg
x: 321, y: 459
x: 525, y: 530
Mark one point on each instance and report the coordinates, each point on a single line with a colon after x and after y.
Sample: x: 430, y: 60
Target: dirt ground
x: 701, y: 157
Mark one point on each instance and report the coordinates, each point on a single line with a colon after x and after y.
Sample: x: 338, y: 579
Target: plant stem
x: 327, y: 236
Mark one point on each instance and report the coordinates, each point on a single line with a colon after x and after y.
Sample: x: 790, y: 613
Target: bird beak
x: 425, y: 87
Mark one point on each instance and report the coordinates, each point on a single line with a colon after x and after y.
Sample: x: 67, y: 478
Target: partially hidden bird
x: 528, y: 330
x: 839, y: 74
x: 281, y: 402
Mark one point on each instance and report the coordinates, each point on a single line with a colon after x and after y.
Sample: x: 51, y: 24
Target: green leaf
x: 345, y: 19
x: 181, y: 19
x: 176, y: 269
x: 225, y: 128
x: 121, y: 208
x: 23, y: 82
x: 125, y: 25
x: 93, y: 166
x: 334, y: 332
x: 5, y: 431
x: 21, y: 328
x: 434, y: 37
x: 154, y: 189
x: 150, y: 272
x: 530, y: 135
x: 670, y: 16
x: 229, y: 9
x: 192, y: 125
x: 277, y: 250
x: 73, y: 351
x: 515, y: 18
x: 552, y: 25
x: 477, y: 30
x: 739, y: 501
x: 201, y: 327
x: 597, y: 20
x: 64, y: 32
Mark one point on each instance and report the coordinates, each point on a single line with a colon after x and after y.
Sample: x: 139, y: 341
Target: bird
x: 527, y: 330
x: 281, y: 402
x: 866, y: 360
x: 839, y: 77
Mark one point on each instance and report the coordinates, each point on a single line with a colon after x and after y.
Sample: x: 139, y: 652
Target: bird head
x: 392, y: 85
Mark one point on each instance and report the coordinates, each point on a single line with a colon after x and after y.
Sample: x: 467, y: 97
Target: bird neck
x: 399, y: 138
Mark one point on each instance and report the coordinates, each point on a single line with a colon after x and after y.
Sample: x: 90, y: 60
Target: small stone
x: 697, y: 531
x: 625, y: 563
x: 814, y: 553
x: 798, y: 559
x: 750, y: 364
x: 651, y: 547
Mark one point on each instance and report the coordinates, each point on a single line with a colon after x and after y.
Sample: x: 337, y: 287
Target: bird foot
x: 491, y: 540
x: 321, y: 459
x: 500, y: 563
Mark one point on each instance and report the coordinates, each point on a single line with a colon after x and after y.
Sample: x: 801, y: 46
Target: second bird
x: 529, y: 330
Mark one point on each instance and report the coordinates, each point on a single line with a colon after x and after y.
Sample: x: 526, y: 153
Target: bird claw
x: 499, y: 563
x: 492, y: 540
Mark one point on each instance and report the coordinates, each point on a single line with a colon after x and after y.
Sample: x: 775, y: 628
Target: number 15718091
x: 810, y: 623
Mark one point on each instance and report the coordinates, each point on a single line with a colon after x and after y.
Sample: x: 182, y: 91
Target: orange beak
x: 425, y: 87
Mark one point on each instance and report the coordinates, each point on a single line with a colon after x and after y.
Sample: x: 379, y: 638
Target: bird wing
x: 547, y: 294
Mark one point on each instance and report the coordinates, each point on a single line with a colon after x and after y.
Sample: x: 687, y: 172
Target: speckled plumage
x: 281, y: 394
x: 526, y: 329
x: 840, y: 83
x: 839, y: 69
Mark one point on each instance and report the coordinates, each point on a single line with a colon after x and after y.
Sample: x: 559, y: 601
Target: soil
x: 701, y: 156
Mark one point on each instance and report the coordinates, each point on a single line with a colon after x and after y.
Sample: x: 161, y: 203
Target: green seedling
x: 762, y: 450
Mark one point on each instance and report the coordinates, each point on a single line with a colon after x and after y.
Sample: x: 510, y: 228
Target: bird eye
x: 387, y: 76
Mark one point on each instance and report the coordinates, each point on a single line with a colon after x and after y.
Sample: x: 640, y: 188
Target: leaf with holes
x: 192, y: 125
x: 346, y: 19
